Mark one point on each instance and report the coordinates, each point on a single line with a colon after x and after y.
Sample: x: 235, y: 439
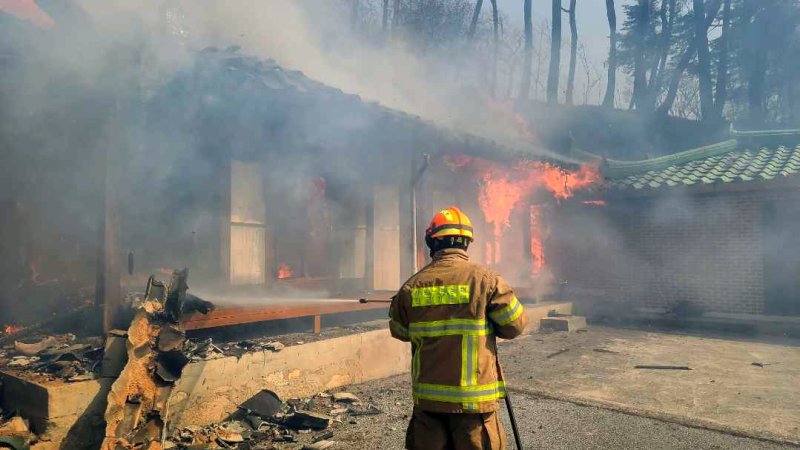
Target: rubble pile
x: 266, y: 422
x: 136, y: 415
x: 63, y: 356
x: 206, y: 349
x: 14, y: 432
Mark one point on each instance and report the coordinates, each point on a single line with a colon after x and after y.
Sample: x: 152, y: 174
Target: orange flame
x: 537, y: 244
x: 284, y: 271
x: 502, y: 188
x: 27, y: 10
x: 11, y: 329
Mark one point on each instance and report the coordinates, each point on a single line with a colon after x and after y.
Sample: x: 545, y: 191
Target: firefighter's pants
x: 441, y: 431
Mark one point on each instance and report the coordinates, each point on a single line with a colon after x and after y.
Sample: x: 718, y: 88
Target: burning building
x: 317, y: 189
x: 267, y: 184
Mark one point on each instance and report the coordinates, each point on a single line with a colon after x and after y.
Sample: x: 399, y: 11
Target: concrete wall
x: 210, y: 390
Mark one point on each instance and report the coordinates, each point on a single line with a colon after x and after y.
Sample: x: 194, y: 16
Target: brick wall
x: 703, y: 252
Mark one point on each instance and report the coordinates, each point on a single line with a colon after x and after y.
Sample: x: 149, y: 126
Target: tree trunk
x: 476, y: 14
x: 354, y: 15
x: 385, y: 22
x: 675, y: 82
x: 722, y: 64
x: 703, y: 61
x: 555, y: 54
x: 755, y: 90
x: 573, y: 51
x: 755, y: 60
x: 640, y: 47
x: 525, y: 82
x: 611, y: 83
x: 495, y: 46
x: 395, y: 15
x: 683, y: 64
x: 667, y: 40
x: 667, y: 15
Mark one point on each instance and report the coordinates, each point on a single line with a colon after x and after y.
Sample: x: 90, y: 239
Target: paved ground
x: 724, y: 389
x: 546, y: 424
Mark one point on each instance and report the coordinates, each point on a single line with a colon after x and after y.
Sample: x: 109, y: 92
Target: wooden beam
x: 226, y: 316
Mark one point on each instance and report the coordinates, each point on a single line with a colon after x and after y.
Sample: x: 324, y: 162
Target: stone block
x: 563, y: 323
x: 54, y: 407
x: 537, y: 311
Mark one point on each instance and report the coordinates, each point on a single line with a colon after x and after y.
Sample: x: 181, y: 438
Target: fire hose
x: 367, y: 300
x: 511, y: 417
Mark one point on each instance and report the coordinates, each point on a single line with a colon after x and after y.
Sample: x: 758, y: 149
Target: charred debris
x: 265, y: 420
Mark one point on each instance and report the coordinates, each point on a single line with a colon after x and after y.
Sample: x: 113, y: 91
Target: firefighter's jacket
x: 452, y: 311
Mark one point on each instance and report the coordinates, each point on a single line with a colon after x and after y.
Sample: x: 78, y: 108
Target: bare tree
x: 555, y: 54
x: 757, y: 59
x: 354, y: 15
x: 385, y: 23
x: 540, y: 54
x: 667, y: 17
x: 593, y: 76
x: 686, y: 105
x: 495, y: 46
x: 396, y: 15
x: 525, y: 82
x: 611, y: 83
x: 512, y: 46
x: 476, y: 14
x: 573, y: 51
x: 641, y: 25
x: 722, y: 64
x: 703, y: 60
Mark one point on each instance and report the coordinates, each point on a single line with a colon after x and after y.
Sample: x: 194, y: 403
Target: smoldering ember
x: 209, y: 209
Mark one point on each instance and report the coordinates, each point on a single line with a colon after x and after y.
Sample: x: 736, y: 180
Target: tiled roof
x: 750, y: 156
x: 266, y: 74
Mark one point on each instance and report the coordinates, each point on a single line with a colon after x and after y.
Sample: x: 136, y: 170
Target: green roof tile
x: 734, y: 161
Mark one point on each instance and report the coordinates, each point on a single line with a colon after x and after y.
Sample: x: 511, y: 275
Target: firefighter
x: 452, y: 312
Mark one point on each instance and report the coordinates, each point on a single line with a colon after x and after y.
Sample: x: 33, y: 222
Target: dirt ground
x: 591, y: 396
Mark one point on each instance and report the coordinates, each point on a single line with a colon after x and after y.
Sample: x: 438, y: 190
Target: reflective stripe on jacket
x: 452, y: 311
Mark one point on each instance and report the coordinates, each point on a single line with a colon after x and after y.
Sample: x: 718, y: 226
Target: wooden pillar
x: 108, y: 291
x: 369, y: 259
x: 406, y: 235
x: 225, y: 222
x: 317, y: 324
